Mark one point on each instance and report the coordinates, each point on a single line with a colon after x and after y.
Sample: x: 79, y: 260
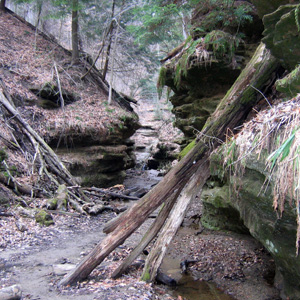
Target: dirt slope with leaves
x: 50, y: 94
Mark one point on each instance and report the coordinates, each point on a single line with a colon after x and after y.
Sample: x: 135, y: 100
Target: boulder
x: 101, y: 166
x: 282, y: 34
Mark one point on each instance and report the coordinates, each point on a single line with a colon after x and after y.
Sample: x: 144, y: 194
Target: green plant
x: 282, y: 151
x: 222, y: 43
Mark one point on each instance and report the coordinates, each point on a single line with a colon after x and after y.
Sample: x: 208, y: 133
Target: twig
x: 62, y: 101
x: 262, y: 95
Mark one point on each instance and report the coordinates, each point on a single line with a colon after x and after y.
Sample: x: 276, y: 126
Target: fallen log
x: 46, y: 156
x: 148, y: 237
x: 113, y: 194
x: 230, y: 113
x: 188, y: 193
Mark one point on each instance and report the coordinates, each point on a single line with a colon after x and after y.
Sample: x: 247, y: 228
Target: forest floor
x: 37, y: 257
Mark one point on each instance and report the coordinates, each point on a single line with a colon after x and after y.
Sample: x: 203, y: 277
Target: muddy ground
x: 37, y: 258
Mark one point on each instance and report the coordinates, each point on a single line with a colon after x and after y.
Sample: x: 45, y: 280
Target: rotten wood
x: 230, y: 113
x: 18, y: 187
x: 187, y: 195
x: 148, y: 237
x: 113, y: 194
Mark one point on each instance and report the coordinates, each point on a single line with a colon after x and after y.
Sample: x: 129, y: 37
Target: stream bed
x: 224, y: 265
x: 188, y: 287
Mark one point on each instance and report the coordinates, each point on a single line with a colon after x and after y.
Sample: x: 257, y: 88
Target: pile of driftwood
x: 174, y: 193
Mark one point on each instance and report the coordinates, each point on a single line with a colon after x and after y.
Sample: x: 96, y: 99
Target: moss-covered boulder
x: 44, y: 218
x: 282, y: 34
x: 290, y: 84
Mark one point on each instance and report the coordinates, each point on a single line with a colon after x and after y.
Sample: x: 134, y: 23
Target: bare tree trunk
x: 231, y: 112
x: 2, y: 5
x: 75, y: 39
x: 110, y: 32
x: 148, y: 237
x: 187, y: 195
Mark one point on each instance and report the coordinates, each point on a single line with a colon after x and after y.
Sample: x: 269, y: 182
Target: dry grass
x: 274, y: 134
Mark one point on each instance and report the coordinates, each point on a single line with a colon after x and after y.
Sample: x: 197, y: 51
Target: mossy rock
x: 290, y: 84
x: 282, y: 35
x: 218, y: 212
x: 43, y: 218
x: 267, y: 6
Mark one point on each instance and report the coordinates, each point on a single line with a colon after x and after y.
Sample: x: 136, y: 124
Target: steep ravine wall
x: 243, y: 192
x: 243, y: 200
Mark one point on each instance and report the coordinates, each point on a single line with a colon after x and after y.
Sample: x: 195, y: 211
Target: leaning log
x: 188, y: 194
x: 231, y: 112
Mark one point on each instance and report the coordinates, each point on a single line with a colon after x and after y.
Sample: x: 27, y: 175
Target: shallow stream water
x: 189, y: 288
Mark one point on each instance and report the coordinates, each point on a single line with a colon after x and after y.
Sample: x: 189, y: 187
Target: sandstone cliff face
x: 243, y: 192
x: 219, y: 57
x: 70, y: 113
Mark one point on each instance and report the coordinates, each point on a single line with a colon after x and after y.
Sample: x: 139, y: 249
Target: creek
x: 139, y: 181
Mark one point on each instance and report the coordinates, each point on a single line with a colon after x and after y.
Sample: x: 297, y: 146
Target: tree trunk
x: 75, y: 39
x: 110, y: 32
x: 148, y: 237
x: 188, y: 194
x: 2, y: 5
x: 231, y: 112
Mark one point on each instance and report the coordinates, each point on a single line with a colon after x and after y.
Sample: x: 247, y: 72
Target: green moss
x: 52, y: 204
x: 146, y: 276
x: 43, y: 218
x: 290, y: 84
x: 187, y: 149
x: 161, y: 82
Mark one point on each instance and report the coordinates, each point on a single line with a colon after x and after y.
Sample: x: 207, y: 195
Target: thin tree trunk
x: 231, y: 112
x: 2, y: 5
x: 75, y: 39
x: 110, y: 32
